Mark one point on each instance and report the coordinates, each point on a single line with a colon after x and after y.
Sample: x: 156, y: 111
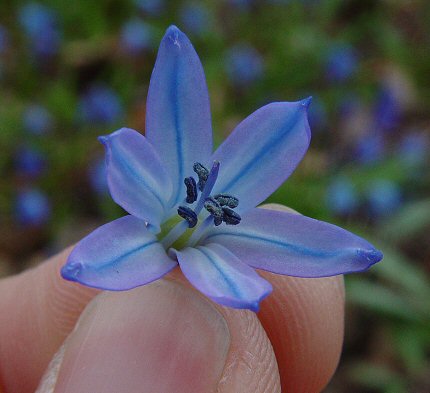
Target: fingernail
x: 158, y: 338
x: 49, y: 379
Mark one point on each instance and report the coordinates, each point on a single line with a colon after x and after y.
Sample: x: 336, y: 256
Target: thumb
x: 163, y: 337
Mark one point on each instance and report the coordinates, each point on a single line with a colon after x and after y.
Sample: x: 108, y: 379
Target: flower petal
x: 178, y: 121
x: 221, y: 276
x: 262, y: 152
x: 294, y: 245
x: 120, y: 255
x: 137, y: 179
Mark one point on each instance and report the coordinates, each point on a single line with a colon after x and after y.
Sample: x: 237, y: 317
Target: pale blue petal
x: 178, y: 121
x: 221, y: 276
x: 137, y: 179
x: 262, y: 152
x: 120, y: 255
x: 295, y: 245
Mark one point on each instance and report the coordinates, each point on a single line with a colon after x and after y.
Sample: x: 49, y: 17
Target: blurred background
x: 70, y: 71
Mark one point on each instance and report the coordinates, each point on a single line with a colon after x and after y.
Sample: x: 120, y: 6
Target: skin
x: 165, y: 336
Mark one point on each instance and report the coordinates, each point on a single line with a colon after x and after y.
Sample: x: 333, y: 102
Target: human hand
x: 165, y: 336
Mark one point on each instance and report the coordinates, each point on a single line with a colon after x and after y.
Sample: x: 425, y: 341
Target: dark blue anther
x: 227, y: 200
x: 202, y: 173
x: 188, y: 214
x: 217, y: 221
x: 230, y: 217
x: 214, y: 208
x: 191, y: 185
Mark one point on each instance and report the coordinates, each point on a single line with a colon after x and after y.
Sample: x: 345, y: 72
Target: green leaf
x: 380, y: 299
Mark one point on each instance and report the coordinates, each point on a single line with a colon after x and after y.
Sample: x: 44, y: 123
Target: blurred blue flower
x: 370, y: 148
x: 341, y: 196
x: 100, y: 104
x: 348, y: 105
x: 244, y: 64
x: 32, y: 207
x: 387, y: 109
x: 195, y: 17
x: 384, y: 197
x: 40, y: 25
x: 413, y: 149
x: 29, y: 161
x: 242, y: 4
x: 136, y: 36
x: 318, y: 118
x: 98, y: 176
x: 37, y: 120
x: 4, y: 39
x: 152, y: 7
x: 341, y: 63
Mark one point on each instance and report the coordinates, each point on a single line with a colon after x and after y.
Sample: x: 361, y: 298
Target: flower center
x: 220, y: 206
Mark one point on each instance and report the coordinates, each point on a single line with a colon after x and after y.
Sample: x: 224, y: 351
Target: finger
x: 38, y: 309
x: 164, y: 337
x: 304, y: 319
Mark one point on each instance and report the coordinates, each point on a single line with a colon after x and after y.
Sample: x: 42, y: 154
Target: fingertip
x: 304, y: 320
x: 159, y: 337
x: 40, y: 308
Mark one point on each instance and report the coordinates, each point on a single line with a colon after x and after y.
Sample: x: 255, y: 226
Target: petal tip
x: 306, y: 102
x: 103, y: 139
x: 173, y: 35
x: 371, y: 256
x: 255, y: 306
x: 172, y: 29
x: 71, y: 270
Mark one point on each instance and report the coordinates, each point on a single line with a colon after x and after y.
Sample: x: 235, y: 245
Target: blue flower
x: 384, y: 197
x: 370, y: 148
x: 37, y: 120
x: 341, y: 63
x: 195, y: 208
x: 29, y: 161
x: 244, y: 64
x: 32, y: 207
x: 241, y: 4
x: 195, y: 17
x: 318, y: 117
x: 387, y: 111
x: 342, y: 197
x: 41, y: 28
x: 4, y: 39
x: 152, y: 7
x: 100, y: 104
x: 413, y: 149
x: 97, y: 177
x: 137, y: 36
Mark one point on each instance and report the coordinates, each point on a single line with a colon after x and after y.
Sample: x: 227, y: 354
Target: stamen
x: 190, y: 183
x: 210, y: 182
x: 202, y: 173
x: 227, y: 200
x: 214, y: 208
x: 219, y: 207
x: 230, y: 217
x: 189, y: 215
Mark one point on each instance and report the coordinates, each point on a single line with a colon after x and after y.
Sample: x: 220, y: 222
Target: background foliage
x: 70, y: 71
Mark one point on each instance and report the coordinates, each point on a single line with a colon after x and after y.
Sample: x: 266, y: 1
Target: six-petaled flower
x: 192, y: 207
